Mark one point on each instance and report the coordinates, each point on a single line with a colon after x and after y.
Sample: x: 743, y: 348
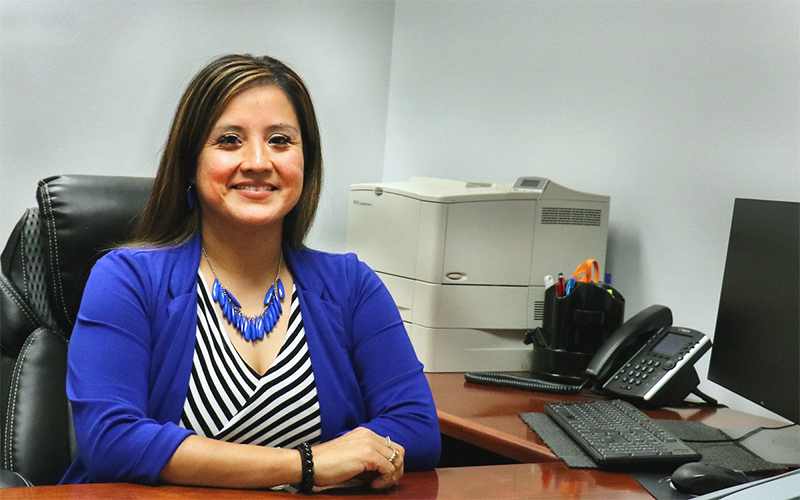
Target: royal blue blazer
x: 130, y: 358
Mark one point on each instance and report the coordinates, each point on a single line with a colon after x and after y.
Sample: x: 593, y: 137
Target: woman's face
x: 250, y: 171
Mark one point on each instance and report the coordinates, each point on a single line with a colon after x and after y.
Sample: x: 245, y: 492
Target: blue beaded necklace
x: 251, y: 327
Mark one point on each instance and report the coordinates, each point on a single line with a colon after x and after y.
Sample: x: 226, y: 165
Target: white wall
x: 673, y: 108
x: 89, y: 87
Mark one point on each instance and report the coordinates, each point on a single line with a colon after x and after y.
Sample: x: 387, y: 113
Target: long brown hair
x: 168, y: 218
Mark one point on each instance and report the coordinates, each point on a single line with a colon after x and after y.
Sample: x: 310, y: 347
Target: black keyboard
x: 617, y: 434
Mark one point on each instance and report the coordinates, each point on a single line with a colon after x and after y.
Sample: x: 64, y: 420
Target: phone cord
x: 518, y: 382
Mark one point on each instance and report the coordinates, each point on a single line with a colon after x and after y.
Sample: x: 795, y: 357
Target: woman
x: 217, y: 350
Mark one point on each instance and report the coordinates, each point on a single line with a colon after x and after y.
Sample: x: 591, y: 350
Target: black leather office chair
x: 45, y: 265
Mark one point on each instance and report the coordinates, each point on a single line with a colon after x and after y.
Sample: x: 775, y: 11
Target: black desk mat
x: 729, y: 455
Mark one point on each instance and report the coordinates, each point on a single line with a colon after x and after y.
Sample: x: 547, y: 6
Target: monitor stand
x: 779, y: 446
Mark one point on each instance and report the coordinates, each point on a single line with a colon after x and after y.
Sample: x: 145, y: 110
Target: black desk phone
x: 647, y: 361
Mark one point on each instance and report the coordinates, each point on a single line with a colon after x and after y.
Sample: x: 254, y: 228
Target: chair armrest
x: 11, y: 479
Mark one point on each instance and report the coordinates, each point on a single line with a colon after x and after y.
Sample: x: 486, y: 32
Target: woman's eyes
x: 234, y: 140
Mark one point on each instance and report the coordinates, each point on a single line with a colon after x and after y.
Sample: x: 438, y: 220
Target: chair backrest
x: 45, y: 265
x: 54, y: 246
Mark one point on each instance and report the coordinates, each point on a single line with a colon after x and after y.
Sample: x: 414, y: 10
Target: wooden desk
x: 484, y: 416
x: 518, y: 482
x: 488, y: 417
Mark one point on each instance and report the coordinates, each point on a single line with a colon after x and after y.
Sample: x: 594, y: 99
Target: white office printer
x: 465, y: 262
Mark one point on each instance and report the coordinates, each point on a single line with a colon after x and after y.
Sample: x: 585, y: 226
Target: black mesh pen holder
x: 573, y: 329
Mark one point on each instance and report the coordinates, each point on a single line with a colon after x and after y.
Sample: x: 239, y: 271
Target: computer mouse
x: 699, y: 478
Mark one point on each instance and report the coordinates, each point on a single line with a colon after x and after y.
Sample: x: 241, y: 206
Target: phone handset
x: 624, y: 342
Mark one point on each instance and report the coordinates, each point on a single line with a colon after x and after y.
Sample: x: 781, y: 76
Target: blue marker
x: 570, y: 285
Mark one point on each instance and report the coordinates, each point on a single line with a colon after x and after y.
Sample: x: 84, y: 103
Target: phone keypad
x: 641, y: 374
x: 637, y: 373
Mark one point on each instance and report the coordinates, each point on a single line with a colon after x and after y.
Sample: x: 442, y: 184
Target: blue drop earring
x: 190, y: 197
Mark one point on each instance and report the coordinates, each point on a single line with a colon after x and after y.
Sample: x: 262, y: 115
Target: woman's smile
x: 259, y: 191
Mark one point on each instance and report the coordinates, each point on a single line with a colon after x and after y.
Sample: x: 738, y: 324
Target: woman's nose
x: 257, y: 157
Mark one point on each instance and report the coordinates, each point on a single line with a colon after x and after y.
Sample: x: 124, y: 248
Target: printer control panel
x: 531, y: 184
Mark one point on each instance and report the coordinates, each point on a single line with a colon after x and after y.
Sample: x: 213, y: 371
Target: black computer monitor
x: 756, y: 351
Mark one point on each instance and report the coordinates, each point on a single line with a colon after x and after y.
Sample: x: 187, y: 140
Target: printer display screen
x: 530, y: 183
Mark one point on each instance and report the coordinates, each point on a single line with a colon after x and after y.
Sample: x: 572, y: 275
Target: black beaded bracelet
x: 307, y: 460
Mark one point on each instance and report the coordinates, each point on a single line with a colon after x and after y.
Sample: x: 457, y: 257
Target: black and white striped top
x: 229, y: 401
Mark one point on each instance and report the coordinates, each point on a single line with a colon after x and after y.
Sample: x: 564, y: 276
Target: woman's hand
x: 357, y: 452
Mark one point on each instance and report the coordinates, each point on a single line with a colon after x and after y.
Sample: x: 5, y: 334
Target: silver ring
x: 394, y: 455
x: 388, y: 442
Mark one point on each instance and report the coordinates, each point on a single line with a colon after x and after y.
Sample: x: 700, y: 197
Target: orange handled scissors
x: 583, y: 272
